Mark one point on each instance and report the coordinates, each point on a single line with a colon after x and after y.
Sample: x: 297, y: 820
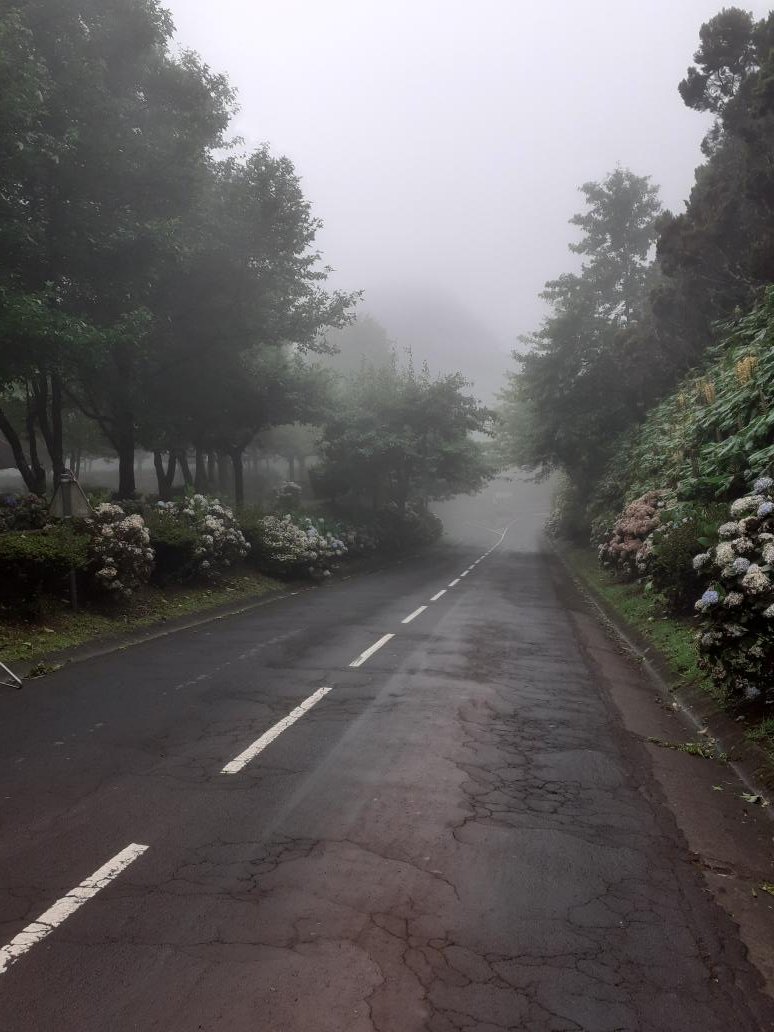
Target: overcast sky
x: 443, y: 142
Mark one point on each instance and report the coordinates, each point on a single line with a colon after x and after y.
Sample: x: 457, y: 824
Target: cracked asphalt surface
x: 463, y: 835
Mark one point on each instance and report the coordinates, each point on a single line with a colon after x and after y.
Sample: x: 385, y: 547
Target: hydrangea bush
x: 220, y: 543
x: 303, y: 546
x: 120, y: 550
x: 736, y: 640
x: 630, y: 545
x: 287, y: 496
x: 23, y: 512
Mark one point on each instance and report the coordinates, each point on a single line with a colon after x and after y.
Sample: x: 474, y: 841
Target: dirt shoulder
x: 723, y: 816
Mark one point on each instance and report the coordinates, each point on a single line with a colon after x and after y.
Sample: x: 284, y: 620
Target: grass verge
x: 61, y: 628
x: 644, y: 612
x: 673, y: 639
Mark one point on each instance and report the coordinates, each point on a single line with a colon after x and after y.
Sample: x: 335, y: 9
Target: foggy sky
x: 443, y: 142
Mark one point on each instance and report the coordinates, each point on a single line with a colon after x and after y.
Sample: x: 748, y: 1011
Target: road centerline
x: 67, y: 905
x: 414, y: 615
x: 240, y: 762
x: 370, y: 651
x: 454, y: 582
x: 439, y: 594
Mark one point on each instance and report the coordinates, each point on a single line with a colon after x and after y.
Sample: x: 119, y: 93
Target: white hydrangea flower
x: 724, y: 553
x: 728, y: 530
x: 745, y: 506
x: 755, y: 581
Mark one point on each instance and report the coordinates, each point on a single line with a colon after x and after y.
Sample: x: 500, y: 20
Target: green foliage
x: 715, y: 432
x: 684, y: 531
x: 580, y: 381
x: 36, y: 563
x: 567, y: 519
x: 736, y: 641
x: 174, y: 544
x: 397, y: 436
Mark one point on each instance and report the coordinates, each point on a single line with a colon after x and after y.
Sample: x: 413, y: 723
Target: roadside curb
x: 119, y: 642
x: 696, y: 708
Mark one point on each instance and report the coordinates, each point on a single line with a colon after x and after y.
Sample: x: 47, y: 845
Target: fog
x: 443, y: 143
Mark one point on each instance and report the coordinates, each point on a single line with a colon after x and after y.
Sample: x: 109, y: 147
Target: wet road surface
x: 269, y: 823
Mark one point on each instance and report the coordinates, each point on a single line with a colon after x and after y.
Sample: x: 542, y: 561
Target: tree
x: 116, y: 132
x: 236, y: 312
x: 725, y: 58
x: 397, y: 436
x: 364, y: 342
x: 579, y: 380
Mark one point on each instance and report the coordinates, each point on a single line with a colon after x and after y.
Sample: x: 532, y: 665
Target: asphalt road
x: 458, y: 835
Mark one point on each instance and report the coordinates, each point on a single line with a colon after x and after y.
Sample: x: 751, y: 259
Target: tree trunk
x: 201, y: 484
x: 165, y: 477
x: 222, y: 474
x: 34, y: 478
x: 126, y: 483
x: 292, y: 468
x: 38, y: 469
x: 212, y: 470
x: 57, y: 435
x: 236, y: 455
x: 182, y: 458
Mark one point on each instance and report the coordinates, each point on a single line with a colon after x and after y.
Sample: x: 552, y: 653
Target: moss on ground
x: 61, y: 628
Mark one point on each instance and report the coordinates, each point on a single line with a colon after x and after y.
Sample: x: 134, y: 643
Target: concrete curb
x: 699, y: 711
x: 163, y: 629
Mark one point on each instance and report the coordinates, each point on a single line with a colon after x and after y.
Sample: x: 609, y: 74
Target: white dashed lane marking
x: 268, y: 737
x: 369, y: 652
x: 67, y: 905
x: 414, y: 615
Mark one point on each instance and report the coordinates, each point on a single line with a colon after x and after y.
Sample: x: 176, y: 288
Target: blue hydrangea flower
x: 740, y: 565
x: 709, y: 598
x: 762, y: 485
x: 766, y: 509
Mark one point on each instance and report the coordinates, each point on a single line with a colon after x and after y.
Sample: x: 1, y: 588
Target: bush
x: 568, y: 513
x: 287, y: 497
x: 304, y: 547
x: 219, y: 541
x: 673, y: 545
x: 394, y: 531
x: 120, y: 550
x: 23, y: 512
x: 37, y: 563
x: 629, y: 548
x: 174, y: 544
x: 736, y: 640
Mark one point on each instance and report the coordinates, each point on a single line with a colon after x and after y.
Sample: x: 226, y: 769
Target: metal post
x: 66, y: 484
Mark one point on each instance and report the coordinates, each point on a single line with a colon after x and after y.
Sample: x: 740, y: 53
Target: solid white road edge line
x: 67, y: 905
x: 369, y: 652
x: 454, y: 582
x: 414, y: 615
x: 268, y: 737
x: 439, y: 595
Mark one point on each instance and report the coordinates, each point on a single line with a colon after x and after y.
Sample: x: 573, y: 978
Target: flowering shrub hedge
x: 299, y: 547
x: 287, y: 496
x: 23, y: 512
x: 219, y: 541
x: 671, y: 547
x: 736, y: 640
x: 120, y: 550
x: 37, y: 563
x: 629, y: 546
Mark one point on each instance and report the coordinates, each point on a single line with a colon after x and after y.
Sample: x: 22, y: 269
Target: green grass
x: 672, y: 637
x: 60, y: 628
